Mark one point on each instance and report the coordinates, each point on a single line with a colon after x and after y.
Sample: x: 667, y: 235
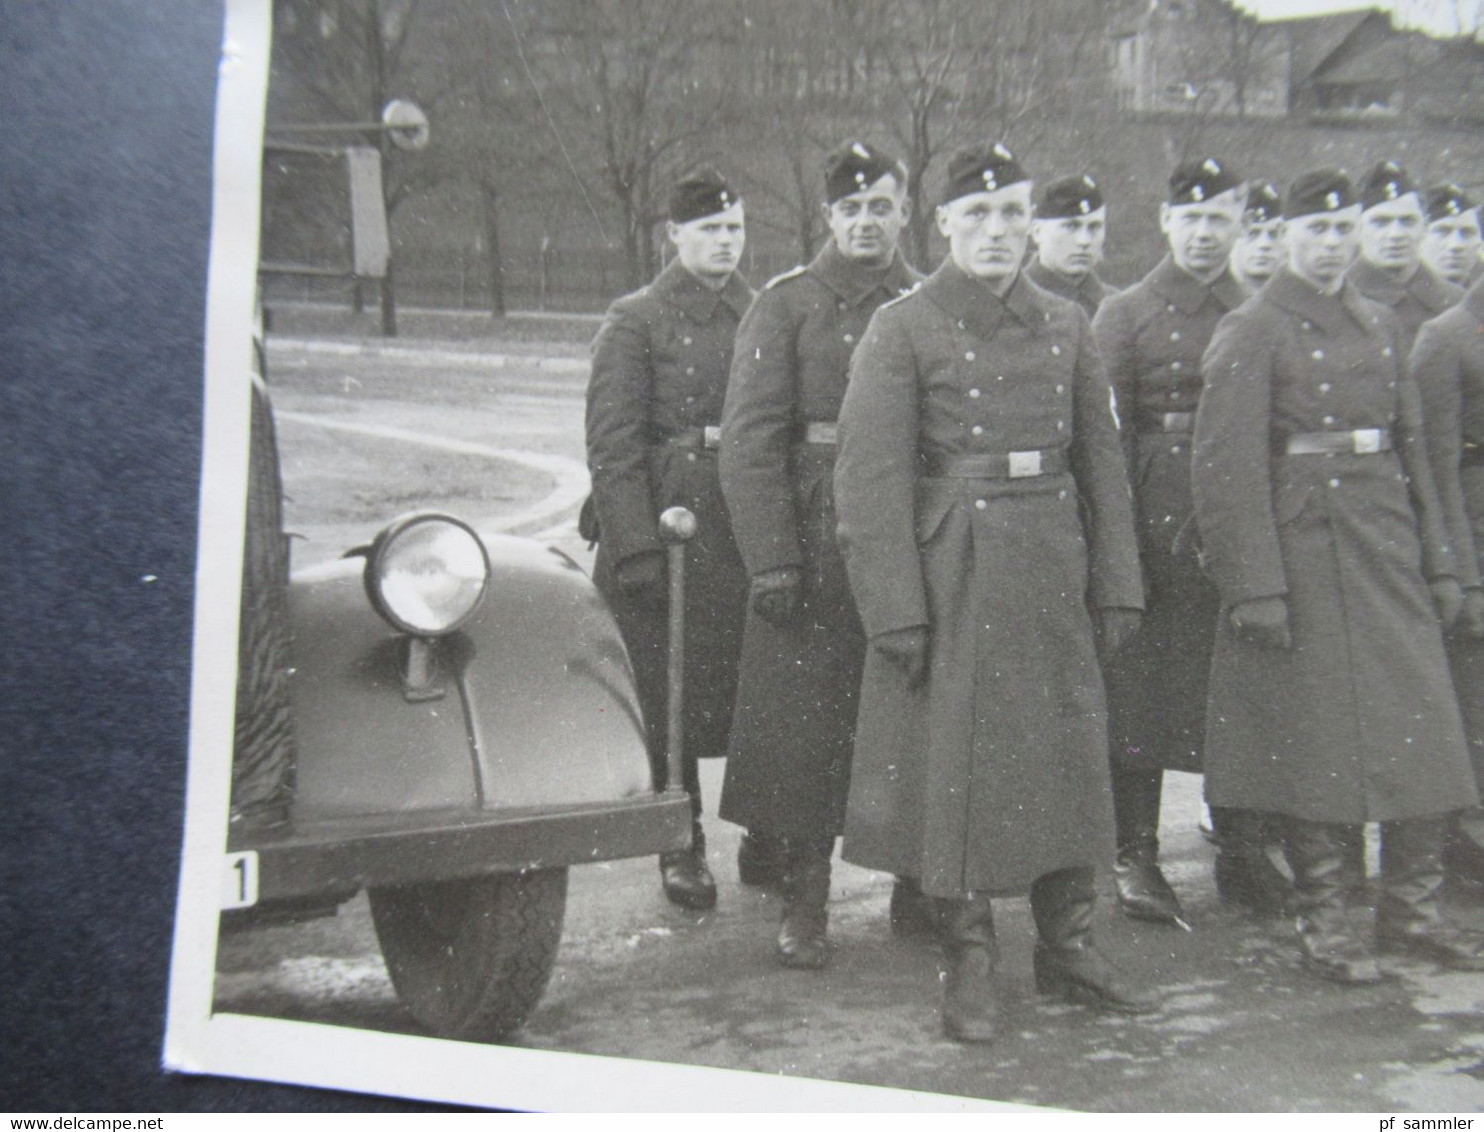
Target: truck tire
x: 470, y: 958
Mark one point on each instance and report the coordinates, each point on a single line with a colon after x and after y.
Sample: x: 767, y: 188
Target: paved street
x: 500, y: 442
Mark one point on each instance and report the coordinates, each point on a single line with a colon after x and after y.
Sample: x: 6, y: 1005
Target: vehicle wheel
x: 471, y: 958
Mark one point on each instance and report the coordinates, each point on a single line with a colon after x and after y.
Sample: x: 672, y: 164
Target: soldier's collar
x: 1473, y: 299
x: 1378, y: 283
x: 975, y: 306
x: 1059, y: 283
x: 1188, y: 294
x: 679, y: 287
x: 1433, y: 291
x: 854, y: 283
x: 1329, y: 312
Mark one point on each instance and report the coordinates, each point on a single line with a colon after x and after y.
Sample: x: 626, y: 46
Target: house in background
x: 1211, y: 58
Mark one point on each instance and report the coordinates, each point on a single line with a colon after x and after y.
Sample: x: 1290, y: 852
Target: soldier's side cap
x: 983, y: 167
x: 1319, y: 190
x: 857, y: 165
x: 1078, y: 195
x: 1200, y: 179
x: 1387, y: 181
x: 701, y: 192
x: 1447, y: 201
x: 1264, y: 202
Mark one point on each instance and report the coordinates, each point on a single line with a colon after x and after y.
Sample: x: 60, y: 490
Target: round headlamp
x: 427, y: 573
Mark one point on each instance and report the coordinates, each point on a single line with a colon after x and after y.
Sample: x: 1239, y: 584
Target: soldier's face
x: 1072, y: 245
x: 867, y: 225
x: 1322, y: 246
x: 987, y: 232
x: 1201, y: 234
x: 1451, y: 246
x: 1259, y: 249
x: 710, y: 246
x: 1391, y: 233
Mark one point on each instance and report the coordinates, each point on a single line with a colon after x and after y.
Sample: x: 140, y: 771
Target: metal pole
x: 677, y: 527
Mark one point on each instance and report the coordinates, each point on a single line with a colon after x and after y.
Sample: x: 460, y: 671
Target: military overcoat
x: 1087, y: 291
x: 789, y: 761
x: 1151, y: 338
x: 1448, y: 366
x: 660, y: 366
x: 995, y: 771
x: 1422, y: 296
x: 1357, y: 721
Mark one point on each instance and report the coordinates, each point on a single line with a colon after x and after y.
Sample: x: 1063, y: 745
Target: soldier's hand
x: 907, y: 650
x: 1263, y: 621
x: 1447, y: 599
x: 1471, y: 621
x: 642, y: 577
x: 1115, y: 626
x: 776, y: 595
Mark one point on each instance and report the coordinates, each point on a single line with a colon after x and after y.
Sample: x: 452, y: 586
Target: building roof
x: 1315, y: 39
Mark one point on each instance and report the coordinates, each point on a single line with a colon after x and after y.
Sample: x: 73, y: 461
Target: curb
x: 467, y: 358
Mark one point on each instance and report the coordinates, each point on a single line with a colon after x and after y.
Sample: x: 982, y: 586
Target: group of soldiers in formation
x: 980, y: 554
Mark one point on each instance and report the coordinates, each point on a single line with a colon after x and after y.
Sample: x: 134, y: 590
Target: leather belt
x: 1472, y: 455
x: 1000, y: 465
x: 1150, y: 421
x: 819, y: 432
x: 707, y: 437
x: 1356, y: 442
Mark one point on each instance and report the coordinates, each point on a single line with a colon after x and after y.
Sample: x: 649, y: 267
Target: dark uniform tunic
x: 1357, y: 721
x: 1151, y: 338
x: 1087, y: 291
x: 1419, y: 298
x: 995, y: 771
x: 789, y: 763
x: 660, y: 366
x: 1448, y: 365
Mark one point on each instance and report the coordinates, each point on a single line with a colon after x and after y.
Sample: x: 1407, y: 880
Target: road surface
x: 368, y: 433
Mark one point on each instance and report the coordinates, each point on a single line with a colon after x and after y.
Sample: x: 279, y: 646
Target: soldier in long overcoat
x: 1448, y: 366
x: 1070, y: 231
x: 986, y: 526
x: 659, y: 377
x: 788, y: 768
x: 1151, y: 338
x: 1453, y: 240
x: 1389, y: 269
x: 1330, y: 697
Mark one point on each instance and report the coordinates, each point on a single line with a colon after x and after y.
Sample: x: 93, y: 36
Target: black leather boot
x: 1067, y: 963
x: 1351, y: 839
x: 914, y: 914
x: 1245, y: 875
x: 1408, y: 919
x: 1316, y: 854
x: 970, y: 1011
x: 806, y: 893
x: 760, y: 859
x: 686, y: 879
x: 1143, y: 892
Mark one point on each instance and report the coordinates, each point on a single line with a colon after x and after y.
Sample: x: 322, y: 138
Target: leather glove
x: 643, y: 578
x: 1471, y: 621
x: 1447, y: 599
x: 1263, y: 622
x: 1116, y: 625
x: 776, y: 595
x: 907, y: 650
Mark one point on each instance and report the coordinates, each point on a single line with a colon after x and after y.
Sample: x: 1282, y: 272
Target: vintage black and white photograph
x: 925, y: 545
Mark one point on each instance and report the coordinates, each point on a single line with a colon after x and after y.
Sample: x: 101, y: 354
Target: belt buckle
x: 1025, y: 464
x: 1367, y: 441
x: 711, y: 436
